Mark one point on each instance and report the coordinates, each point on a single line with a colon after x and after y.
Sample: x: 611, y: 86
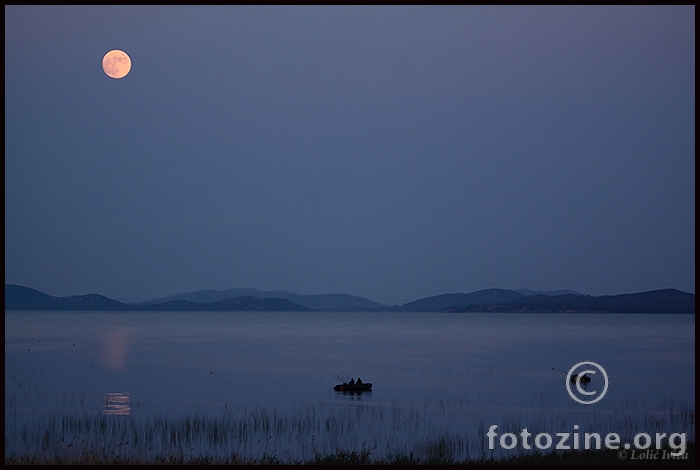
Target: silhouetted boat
x: 584, y: 378
x: 363, y: 387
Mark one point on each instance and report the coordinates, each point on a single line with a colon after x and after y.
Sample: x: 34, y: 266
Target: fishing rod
x: 584, y: 378
x: 335, y: 376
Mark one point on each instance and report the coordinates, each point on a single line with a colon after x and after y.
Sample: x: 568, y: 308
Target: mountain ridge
x: 656, y: 301
x: 25, y: 298
x: 485, y: 300
x: 313, y: 301
x: 484, y: 296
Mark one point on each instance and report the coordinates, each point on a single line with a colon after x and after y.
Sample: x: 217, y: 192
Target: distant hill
x: 319, y: 302
x: 236, y: 304
x: 488, y: 300
x: 207, y: 296
x: 439, y: 302
x: 529, y: 292
x: 24, y: 298
x: 657, y: 301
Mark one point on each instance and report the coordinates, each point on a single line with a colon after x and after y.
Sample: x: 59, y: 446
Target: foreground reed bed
x: 590, y: 457
x: 318, y: 433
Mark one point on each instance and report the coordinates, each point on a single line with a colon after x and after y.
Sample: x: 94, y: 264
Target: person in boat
x: 352, y: 381
x: 584, y: 378
x: 359, y: 381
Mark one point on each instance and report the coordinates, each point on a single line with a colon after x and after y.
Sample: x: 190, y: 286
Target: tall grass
x: 390, y: 433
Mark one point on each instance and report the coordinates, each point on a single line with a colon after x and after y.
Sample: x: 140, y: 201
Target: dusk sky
x: 387, y: 152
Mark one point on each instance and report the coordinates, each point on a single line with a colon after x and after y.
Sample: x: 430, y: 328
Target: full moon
x: 116, y: 63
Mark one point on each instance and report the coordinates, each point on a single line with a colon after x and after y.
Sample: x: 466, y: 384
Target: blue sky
x: 387, y: 152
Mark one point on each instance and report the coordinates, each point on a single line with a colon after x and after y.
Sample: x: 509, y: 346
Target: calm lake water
x: 255, y: 383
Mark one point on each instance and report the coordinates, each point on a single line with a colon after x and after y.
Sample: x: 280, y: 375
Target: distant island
x: 657, y: 301
x: 486, y: 301
x: 24, y: 298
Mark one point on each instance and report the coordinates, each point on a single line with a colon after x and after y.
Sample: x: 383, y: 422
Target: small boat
x: 584, y: 378
x: 363, y: 387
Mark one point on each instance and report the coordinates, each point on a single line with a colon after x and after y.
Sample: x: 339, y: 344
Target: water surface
x: 434, y: 374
